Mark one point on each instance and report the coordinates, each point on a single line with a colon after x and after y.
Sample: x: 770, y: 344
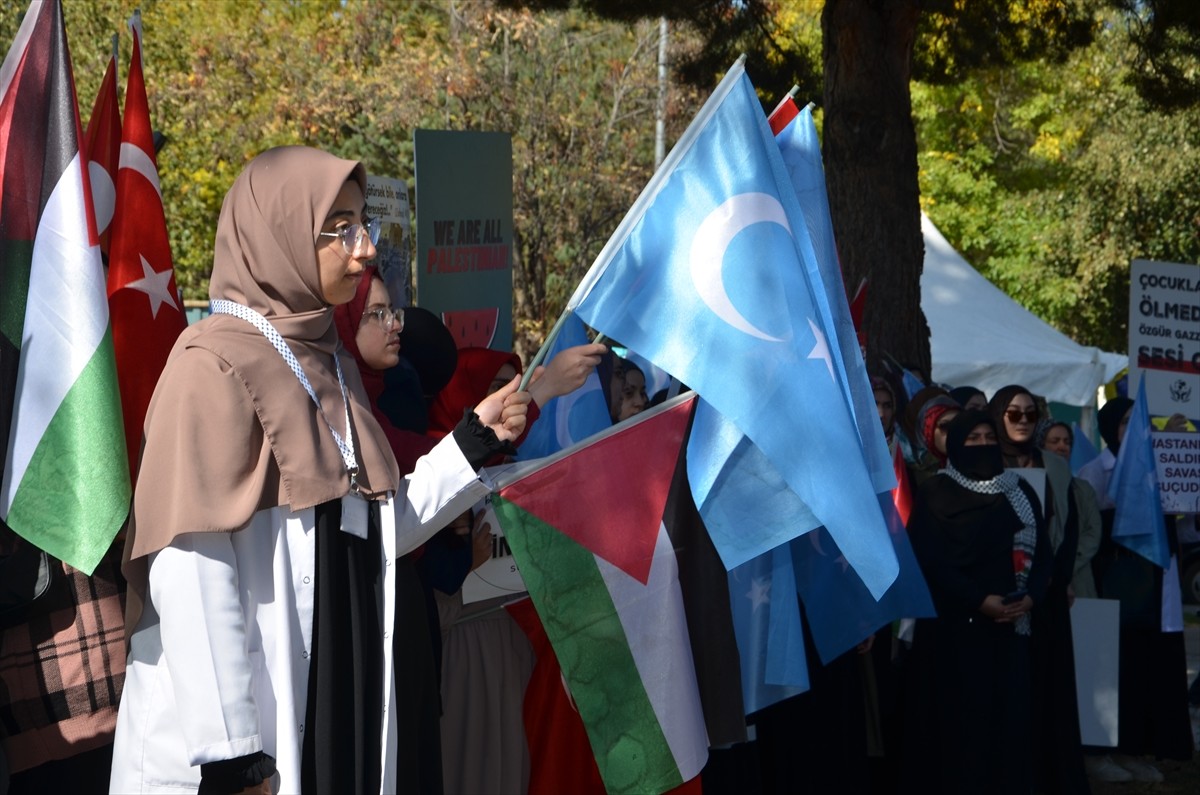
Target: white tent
x: 982, y: 338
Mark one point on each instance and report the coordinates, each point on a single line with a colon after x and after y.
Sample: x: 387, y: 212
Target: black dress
x: 968, y: 696
x: 1058, y: 750
x: 1152, y: 679
x: 341, y: 751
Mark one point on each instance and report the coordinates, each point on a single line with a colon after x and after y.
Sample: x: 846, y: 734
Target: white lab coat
x: 226, y: 673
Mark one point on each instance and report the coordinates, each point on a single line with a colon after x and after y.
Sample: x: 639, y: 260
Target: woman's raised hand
x: 504, y: 410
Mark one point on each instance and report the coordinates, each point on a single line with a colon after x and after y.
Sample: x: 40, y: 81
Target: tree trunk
x: 870, y: 150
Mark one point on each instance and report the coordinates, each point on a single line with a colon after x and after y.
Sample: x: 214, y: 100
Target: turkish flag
x: 143, y: 301
x: 902, y: 494
x: 103, y: 150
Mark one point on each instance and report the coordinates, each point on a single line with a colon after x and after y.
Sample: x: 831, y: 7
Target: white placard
x: 1177, y: 459
x: 1164, y: 335
x: 499, y: 576
x: 1096, y: 632
x: 387, y: 200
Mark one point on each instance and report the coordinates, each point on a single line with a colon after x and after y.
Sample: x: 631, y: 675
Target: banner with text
x: 1164, y: 348
x: 1164, y: 336
x: 465, y: 232
x: 1177, y: 458
x: 387, y: 200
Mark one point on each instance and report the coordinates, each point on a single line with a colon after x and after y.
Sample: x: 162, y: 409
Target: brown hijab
x: 230, y: 430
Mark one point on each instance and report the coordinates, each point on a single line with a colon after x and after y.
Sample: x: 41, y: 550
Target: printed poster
x: 464, y: 201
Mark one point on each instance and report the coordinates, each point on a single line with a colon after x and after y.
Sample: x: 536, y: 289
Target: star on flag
x: 156, y: 285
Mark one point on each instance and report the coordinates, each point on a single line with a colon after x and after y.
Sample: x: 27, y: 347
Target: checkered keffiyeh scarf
x: 62, y: 670
x: 1008, y: 483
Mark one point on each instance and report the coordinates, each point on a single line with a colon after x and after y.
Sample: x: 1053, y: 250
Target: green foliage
x: 1038, y: 158
x: 956, y: 38
x: 1167, y: 34
x: 1050, y: 179
x: 229, y: 78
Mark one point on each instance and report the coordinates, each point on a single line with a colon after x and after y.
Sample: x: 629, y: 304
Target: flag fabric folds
x: 573, y: 417
x: 1082, y: 449
x: 613, y: 608
x: 147, y: 314
x: 759, y: 346
x: 1138, y: 524
x: 840, y: 609
x: 770, y: 639
x: 65, y: 485
x: 104, y: 152
x: 706, y: 602
x: 801, y: 151
x: 902, y: 494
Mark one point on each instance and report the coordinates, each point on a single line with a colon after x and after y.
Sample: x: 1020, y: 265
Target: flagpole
x: 541, y: 354
x: 681, y: 146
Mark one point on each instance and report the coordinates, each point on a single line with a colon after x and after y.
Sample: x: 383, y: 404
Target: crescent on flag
x: 708, y: 252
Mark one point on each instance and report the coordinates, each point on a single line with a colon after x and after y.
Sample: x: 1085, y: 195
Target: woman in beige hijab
x: 269, y: 509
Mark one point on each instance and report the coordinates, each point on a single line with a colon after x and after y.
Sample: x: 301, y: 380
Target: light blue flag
x: 912, y: 384
x: 754, y: 345
x: 1138, y: 524
x: 747, y: 505
x: 656, y: 378
x: 572, y: 417
x: 801, y: 150
x: 1082, y: 449
x: 766, y: 624
x: 841, y: 613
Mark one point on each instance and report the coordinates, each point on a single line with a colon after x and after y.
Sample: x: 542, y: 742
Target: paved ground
x: 1182, y: 778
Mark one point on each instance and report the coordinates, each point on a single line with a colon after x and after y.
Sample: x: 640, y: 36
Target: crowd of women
x: 990, y: 682
x: 307, y: 510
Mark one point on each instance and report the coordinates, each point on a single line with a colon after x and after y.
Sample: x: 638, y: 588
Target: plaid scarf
x: 62, y: 670
x: 1008, y: 483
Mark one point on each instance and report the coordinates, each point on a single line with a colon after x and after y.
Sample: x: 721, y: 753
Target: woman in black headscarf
x: 1152, y: 679
x: 978, y: 534
x: 1057, y: 748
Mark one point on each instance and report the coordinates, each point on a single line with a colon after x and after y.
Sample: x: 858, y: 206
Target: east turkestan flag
x: 1138, y: 524
x: 147, y: 314
x: 65, y: 484
x: 712, y: 276
x: 586, y: 530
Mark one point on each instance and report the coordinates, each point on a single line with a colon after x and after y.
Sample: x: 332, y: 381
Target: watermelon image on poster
x: 472, y: 328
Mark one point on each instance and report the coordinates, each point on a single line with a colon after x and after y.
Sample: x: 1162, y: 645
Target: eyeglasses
x: 386, y: 317
x: 352, y: 236
x: 1014, y: 415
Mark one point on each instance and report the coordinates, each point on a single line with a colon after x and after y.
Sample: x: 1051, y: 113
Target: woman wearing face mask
x: 1058, y: 750
x: 977, y: 531
x: 269, y: 510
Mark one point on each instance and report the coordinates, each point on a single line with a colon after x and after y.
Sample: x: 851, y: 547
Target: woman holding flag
x: 269, y: 511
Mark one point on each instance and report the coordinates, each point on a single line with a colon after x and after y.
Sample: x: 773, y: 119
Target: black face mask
x: 977, y: 462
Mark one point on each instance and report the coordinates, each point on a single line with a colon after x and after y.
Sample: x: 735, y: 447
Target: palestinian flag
x: 147, y: 314
x: 585, y: 527
x: 65, y: 484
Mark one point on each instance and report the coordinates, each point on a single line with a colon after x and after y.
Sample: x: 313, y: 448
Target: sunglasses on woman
x: 1014, y: 415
